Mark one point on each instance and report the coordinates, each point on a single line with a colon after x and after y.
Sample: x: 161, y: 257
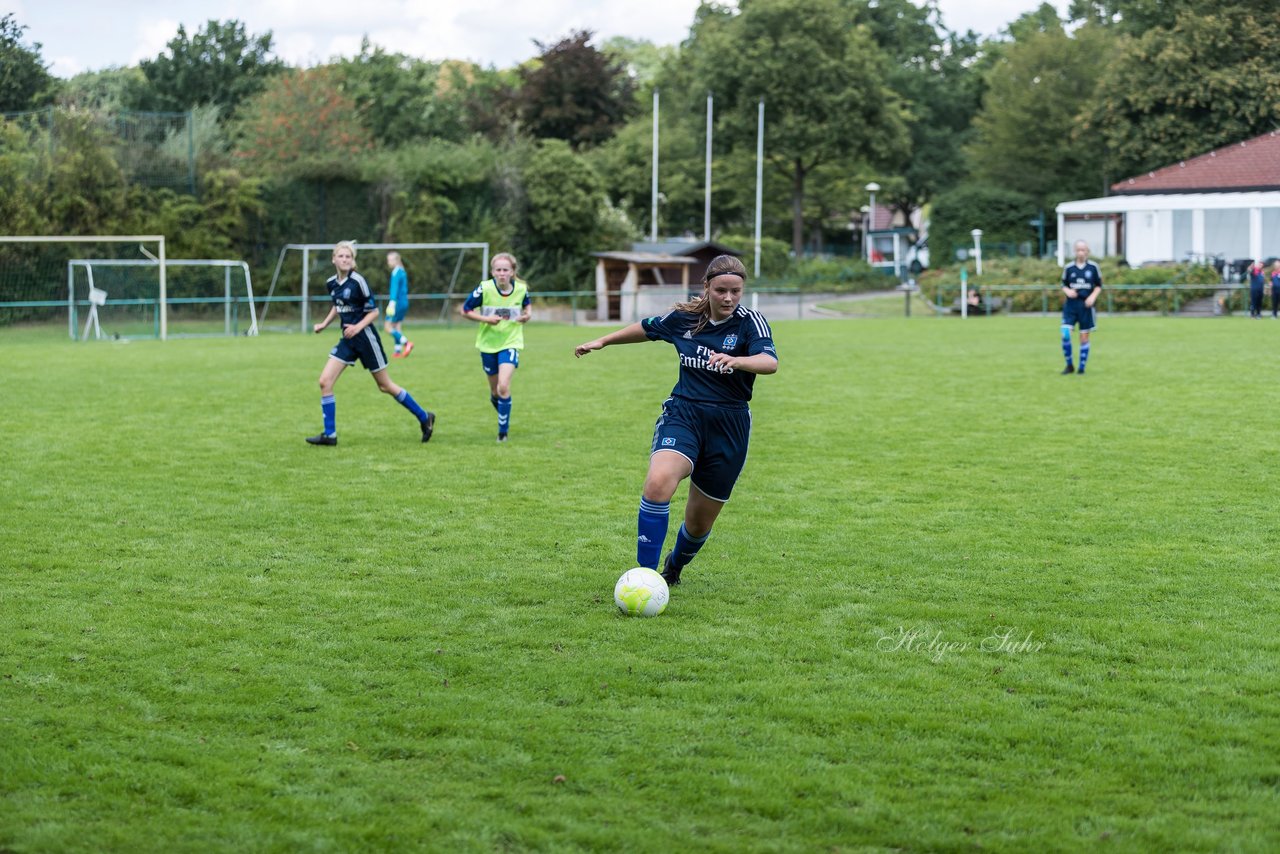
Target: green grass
x: 216, y: 637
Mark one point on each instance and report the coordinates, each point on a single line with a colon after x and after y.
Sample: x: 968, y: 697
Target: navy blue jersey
x: 1083, y: 279
x: 743, y: 333
x: 352, y: 297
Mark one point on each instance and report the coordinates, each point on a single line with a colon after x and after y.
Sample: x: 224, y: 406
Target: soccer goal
x: 202, y: 297
x: 441, y: 275
x: 36, y: 286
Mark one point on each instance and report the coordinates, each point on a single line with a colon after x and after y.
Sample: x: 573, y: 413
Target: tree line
x: 551, y: 157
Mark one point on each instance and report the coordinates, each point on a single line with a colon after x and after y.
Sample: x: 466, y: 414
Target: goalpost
x: 195, y: 288
x: 434, y: 273
x: 35, y: 286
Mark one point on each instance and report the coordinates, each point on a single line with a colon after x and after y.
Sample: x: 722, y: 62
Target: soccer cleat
x: 428, y: 426
x: 502, y: 437
x: 408, y: 348
x: 1069, y: 369
x: 322, y: 439
x: 670, y: 574
x: 397, y: 355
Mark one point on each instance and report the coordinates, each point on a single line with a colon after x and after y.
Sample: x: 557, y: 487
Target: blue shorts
x: 713, y: 438
x: 365, y: 348
x: 1075, y: 311
x: 398, y: 317
x: 490, y: 361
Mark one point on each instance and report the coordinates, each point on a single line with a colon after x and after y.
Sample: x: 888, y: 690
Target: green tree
x: 1025, y: 136
x: 299, y: 125
x: 111, y: 90
x: 23, y: 171
x: 398, y: 97
x: 1205, y: 80
x: 221, y: 64
x: 563, y: 205
x: 85, y: 192
x: 25, y: 82
x: 822, y: 82
x: 937, y: 74
x: 574, y: 92
x: 1002, y: 214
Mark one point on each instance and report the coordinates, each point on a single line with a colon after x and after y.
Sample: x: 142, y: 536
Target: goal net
x: 36, y: 286
x: 441, y: 275
x: 205, y: 297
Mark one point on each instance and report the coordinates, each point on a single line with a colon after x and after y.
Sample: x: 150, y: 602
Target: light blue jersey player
x: 398, y: 305
x: 1081, y: 285
x: 705, y: 426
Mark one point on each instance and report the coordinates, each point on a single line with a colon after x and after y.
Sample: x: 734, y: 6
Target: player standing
x: 354, y: 303
x: 501, y: 306
x: 705, y: 425
x: 398, y: 305
x: 1081, y: 285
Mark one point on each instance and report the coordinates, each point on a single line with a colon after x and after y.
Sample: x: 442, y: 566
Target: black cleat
x: 1069, y: 369
x: 428, y: 426
x: 502, y: 437
x: 322, y: 439
x: 670, y: 574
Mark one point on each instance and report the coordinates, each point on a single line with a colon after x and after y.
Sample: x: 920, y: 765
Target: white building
x: 1224, y: 203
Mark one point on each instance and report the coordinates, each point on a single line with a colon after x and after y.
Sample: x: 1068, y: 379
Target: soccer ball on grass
x: 641, y: 592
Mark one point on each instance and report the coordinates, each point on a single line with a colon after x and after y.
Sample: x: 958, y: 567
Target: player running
x: 354, y: 303
x: 705, y: 425
x: 501, y: 306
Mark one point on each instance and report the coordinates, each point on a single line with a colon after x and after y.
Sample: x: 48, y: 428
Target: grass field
x: 958, y: 601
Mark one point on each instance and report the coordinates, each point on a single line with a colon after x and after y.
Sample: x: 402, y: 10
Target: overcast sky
x: 88, y: 35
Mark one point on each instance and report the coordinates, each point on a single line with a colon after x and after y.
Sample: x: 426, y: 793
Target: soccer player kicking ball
x: 354, y: 303
x: 1081, y: 284
x: 705, y: 425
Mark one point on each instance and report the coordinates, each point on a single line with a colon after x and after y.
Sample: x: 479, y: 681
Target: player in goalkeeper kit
x: 1081, y: 285
x: 398, y: 305
x: 705, y: 425
x: 354, y: 304
x: 501, y: 306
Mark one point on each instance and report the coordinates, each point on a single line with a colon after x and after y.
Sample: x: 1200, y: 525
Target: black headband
x: 726, y: 273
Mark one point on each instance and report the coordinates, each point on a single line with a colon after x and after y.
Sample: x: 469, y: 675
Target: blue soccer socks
x: 406, y: 400
x: 651, y: 531
x: 330, y: 410
x: 1084, y: 354
x: 493, y: 401
x: 504, y: 415
x: 399, y: 336
x: 686, y: 547
x: 1066, y: 343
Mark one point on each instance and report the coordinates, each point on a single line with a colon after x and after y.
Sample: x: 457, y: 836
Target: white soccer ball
x: 641, y: 592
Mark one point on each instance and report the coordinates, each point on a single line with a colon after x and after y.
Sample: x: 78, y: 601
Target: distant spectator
x: 1275, y: 289
x: 1257, y: 284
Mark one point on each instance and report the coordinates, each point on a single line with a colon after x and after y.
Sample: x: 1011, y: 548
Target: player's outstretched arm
x: 632, y: 334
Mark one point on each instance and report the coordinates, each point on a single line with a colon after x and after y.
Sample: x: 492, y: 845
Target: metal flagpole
x: 706, y: 214
x: 759, y: 179
x: 653, y: 226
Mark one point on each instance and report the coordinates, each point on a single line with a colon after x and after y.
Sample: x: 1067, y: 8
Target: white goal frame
x: 105, y: 238
x: 308, y: 248
x: 89, y: 264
